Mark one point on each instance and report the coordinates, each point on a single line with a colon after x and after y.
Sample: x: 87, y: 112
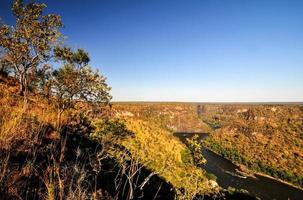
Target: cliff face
x: 176, y: 117
x: 266, y: 138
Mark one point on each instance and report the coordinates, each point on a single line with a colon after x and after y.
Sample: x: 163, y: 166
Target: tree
x: 195, y: 147
x: 28, y: 45
x: 76, y: 81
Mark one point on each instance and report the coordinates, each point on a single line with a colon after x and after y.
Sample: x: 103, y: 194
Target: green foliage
x: 211, y: 176
x: 28, y: 45
x: 228, y: 153
x: 278, y: 173
x: 26, y: 49
x: 80, y: 57
x: 110, y: 130
x: 186, y: 157
x: 255, y: 165
x: 265, y: 138
x: 76, y: 81
x: 195, y: 147
x: 157, y: 149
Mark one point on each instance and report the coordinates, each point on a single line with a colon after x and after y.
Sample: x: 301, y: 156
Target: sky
x: 189, y: 50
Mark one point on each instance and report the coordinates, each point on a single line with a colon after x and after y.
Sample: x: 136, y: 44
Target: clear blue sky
x: 190, y: 50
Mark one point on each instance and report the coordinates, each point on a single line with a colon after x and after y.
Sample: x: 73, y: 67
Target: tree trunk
x: 22, y: 86
x: 60, y: 111
x: 23, y: 89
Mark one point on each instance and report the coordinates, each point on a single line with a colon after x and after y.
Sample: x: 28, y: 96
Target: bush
x: 186, y: 157
x: 110, y: 130
x: 211, y: 176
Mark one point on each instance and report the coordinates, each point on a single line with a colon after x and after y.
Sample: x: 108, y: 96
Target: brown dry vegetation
x: 176, y: 117
x: 59, y: 139
x: 16, y: 121
x: 92, y: 155
x: 266, y: 138
x: 40, y: 160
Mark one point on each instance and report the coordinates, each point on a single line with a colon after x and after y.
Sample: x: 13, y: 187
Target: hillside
x: 176, y: 117
x: 266, y: 138
x: 40, y: 160
x: 62, y: 137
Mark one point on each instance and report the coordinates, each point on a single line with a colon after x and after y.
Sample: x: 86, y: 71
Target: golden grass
x: 153, y: 145
x: 161, y: 152
x: 18, y: 121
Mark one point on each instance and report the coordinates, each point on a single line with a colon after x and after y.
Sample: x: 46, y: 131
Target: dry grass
x: 18, y: 121
x: 161, y: 152
x: 153, y: 145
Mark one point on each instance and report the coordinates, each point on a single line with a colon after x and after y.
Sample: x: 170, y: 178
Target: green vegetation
x: 186, y: 157
x: 265, y: 138
x: 60, y: 139
x: 196, y: 149
x: 253, y: 164
x: 164, y: 154
x: 229, y: 153
x: 28, y: 45
x: 57, y: 126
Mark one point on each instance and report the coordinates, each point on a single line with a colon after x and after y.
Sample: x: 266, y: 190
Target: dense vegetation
x: 176, y: 117
x: 265, y: 138
x: 59, y: 137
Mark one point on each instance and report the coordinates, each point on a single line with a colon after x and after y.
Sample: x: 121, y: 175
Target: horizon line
x: 215, y: 102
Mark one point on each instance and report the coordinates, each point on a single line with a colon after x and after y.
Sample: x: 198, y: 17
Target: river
x: 260, y: 186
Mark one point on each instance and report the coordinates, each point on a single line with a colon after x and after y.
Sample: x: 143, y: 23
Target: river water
x: 225, y: 171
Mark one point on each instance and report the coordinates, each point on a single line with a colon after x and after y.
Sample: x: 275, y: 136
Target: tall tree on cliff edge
x: 28, y: 45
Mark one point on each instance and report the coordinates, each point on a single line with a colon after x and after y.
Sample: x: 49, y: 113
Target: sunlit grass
x: 160, y: 151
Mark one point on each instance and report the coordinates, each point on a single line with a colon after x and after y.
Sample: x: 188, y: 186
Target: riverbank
x: 277, y: 179
x: 261, y: 186
x: 253, y: 174
x: 247, y: 172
